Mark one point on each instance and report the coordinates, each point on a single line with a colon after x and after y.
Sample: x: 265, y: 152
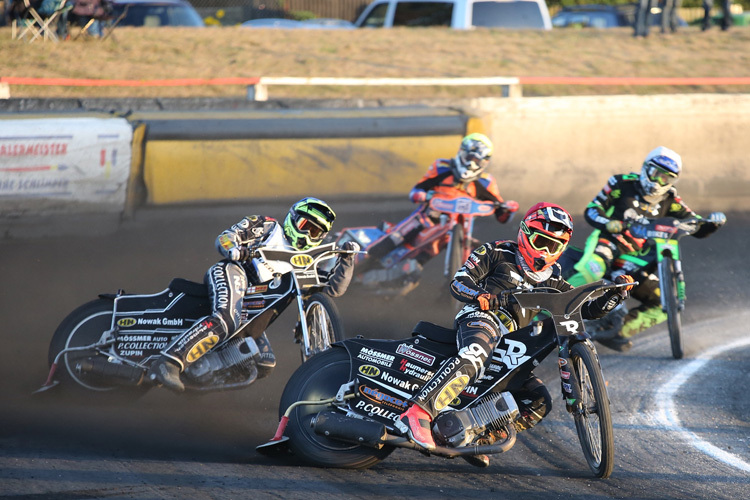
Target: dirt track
x: 169, y: 446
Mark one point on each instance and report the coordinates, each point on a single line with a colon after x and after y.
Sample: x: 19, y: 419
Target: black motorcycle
x: 108, y: 344
x: 339, y: 408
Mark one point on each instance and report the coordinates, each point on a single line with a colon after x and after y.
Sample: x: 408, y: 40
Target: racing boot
x: 203, y: 336
x: 267, y: 360
x: 416, y: 422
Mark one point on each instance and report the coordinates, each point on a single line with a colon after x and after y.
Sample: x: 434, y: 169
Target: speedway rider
x: 527, y: 263
x: 305, y: 226
x: 466, y: 171
x: 650, y: 194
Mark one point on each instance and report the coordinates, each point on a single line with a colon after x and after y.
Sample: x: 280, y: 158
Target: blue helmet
x: 661, y: 170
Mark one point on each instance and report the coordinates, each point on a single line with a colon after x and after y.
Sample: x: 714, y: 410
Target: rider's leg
x: 646, y: 315
x: 477, y: 337
x: 406, y: 231
x: 534, y: 403
x: 227, y: 283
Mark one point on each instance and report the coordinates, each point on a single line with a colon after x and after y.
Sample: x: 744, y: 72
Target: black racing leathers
x: 228, y: 280
x: 493, y: 268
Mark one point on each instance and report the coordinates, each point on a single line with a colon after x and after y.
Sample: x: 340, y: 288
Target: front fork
x: 568, y: 378
x: 305, y: 340
x: 679, y: 278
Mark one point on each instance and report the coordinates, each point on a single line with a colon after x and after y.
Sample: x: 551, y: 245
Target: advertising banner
x: 63, y: 165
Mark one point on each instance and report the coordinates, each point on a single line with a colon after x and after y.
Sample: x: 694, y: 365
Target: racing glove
x: 622, y: 279
x: 488, y: 302
x: 615, y: 226
x: 350, y: 246
x: 717, y: 218
x: 506, y: 211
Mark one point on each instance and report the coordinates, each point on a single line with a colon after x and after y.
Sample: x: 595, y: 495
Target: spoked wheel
x: 324, y: 324
x: 455, y: 259
x: 84, y: 326
x: 320, y: 378
x: 593, y: 419
x: 668, y: 279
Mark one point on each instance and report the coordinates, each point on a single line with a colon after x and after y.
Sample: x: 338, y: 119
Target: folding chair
x: 88, y: 12
x: 35, y: 18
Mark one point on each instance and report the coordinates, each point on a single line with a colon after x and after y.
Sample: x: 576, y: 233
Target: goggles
x: 310, y: 227
x: 661, y: 176
x: 468, y: 157
x: 544, y: 243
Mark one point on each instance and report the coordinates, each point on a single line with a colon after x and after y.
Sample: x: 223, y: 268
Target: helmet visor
x: 310, y: 227
x: 544, y: 243
x: 478, y: 160
x: 661, y: 176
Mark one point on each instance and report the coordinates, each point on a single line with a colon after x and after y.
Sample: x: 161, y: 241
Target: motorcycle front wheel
x: 593, y: 418
x: 320, y: 378
x: 83, y: 327
x: 324, y: 324
x: 668, y: 281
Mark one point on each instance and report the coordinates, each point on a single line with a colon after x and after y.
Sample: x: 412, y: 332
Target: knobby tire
x: 594, y: 421
x: 668, y: 280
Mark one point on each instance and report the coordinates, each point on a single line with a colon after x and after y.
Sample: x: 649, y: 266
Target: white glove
x: 234, y: 254
x: 717, y: 218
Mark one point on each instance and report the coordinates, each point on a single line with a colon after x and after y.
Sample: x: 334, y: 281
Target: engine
x: 491, y: 413
x: 234, y: 362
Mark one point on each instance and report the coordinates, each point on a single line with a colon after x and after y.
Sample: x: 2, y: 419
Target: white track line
x: 668, y: 414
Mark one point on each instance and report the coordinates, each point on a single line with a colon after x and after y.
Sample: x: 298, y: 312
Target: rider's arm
x: 465, y: 284
x: 596, y: 211
x: 680, y: 210
x: 341, y: 275
x: 432, y: 179
x: 487, y: 190
x: 234, y: 242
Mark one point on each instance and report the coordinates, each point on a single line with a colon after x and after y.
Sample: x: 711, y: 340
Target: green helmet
x: 308, y: 222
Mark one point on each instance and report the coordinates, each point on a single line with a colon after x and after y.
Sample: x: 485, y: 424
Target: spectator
x: 726, y: 20
x: 643, y: 18
x: 669, y: 15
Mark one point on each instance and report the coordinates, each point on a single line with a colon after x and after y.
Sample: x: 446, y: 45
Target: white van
x: 458, y: 14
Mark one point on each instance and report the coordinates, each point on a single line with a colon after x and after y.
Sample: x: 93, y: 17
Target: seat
x: 37, y: 19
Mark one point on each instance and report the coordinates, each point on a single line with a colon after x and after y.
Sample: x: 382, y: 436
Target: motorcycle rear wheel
x: 668, y: 280
x: 320, y: 378
x: 324, y: 324
x: 84, y: 326
x: 594, y: 420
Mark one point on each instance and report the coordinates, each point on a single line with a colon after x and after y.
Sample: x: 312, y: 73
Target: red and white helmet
x: 544, y: 233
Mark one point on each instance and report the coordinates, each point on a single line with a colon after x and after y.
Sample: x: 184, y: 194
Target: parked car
x: 153, y: 13
x: 458, y: 14
x: 603, y: 16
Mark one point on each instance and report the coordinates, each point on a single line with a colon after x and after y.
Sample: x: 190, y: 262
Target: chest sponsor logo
x: 408, y: 351
x: 301, y: 260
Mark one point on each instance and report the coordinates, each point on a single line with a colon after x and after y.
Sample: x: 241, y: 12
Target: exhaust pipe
x: 336, y: 426
x: 122, y: 374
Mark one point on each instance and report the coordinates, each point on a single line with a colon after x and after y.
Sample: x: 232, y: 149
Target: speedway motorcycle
x: 659, y: 254
x: 108, y: 344
x: 339, y: 408
x: 398, y: 272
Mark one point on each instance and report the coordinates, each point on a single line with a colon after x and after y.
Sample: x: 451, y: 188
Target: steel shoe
x: 167, y: 373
